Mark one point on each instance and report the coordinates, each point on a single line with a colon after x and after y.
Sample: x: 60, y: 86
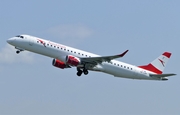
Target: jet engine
x: 73, y: 61
x: 58, y: 63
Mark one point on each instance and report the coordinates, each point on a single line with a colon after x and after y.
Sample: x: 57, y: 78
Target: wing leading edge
x: 102, y: 59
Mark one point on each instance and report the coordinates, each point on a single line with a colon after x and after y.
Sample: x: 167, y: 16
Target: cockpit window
x: 19, y: 36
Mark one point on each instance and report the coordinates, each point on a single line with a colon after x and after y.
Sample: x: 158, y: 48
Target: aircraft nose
x: 11, y: 40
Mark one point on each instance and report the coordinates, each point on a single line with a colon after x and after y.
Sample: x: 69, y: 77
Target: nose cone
x: 8, y: 41
x: 11, y: 40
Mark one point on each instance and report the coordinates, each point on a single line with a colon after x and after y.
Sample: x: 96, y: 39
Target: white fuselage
x: 59, y: 51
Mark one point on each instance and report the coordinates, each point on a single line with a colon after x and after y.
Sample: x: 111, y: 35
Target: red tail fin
x: 158, y: 65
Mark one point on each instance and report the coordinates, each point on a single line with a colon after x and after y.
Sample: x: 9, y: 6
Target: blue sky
x: 29, y: 84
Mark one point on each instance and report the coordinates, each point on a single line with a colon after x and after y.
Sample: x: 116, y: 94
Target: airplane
x: 67, y: 57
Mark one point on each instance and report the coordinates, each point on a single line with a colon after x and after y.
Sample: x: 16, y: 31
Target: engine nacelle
x: 58, y: 63
x: 71, y: 60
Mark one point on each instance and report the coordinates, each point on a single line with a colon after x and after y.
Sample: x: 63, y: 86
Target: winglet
x: 121, y: 55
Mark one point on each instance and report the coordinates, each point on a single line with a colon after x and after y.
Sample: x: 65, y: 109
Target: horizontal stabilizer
x: 162, y: 75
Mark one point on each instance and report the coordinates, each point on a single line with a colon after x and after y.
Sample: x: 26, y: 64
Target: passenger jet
x: 67, y: 57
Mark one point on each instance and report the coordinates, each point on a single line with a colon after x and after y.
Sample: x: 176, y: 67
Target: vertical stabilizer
x: 158, y: 65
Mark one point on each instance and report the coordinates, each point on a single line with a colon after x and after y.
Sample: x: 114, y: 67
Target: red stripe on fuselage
x: 151, y: 68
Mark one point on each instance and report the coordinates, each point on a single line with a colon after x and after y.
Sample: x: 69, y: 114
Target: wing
x: 96, y: 60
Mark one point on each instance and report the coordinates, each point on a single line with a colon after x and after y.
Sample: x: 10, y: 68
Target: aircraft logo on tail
x: 162, y: 62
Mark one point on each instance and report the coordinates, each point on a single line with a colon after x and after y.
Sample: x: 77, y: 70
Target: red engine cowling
x: 58, y: 63
x: 71, y: 60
